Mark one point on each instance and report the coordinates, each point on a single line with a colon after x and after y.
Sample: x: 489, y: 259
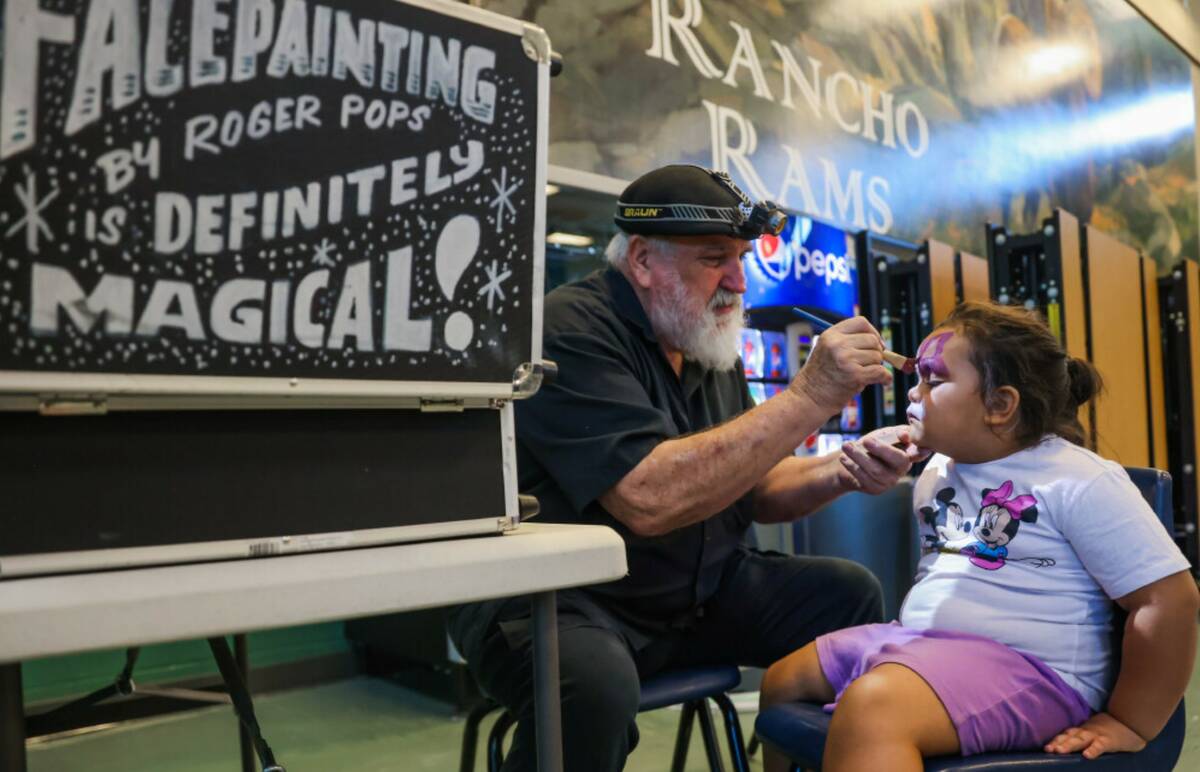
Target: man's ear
x: 1001, y: 407
x: 638, y: 259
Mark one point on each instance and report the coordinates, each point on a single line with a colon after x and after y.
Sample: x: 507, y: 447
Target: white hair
x: 692, y: 326
x: 688, y: 324
x: 618, y: 247
x: 617, y: 251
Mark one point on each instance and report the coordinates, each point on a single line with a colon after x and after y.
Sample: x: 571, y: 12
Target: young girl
x: 1004, y: 641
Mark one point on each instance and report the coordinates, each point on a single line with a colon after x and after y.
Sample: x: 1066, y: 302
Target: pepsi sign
x: 809, y: 264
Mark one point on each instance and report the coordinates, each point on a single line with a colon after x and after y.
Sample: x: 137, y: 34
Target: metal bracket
x: 442, y: 405
x: 529, y: 377
x: 536, y: 43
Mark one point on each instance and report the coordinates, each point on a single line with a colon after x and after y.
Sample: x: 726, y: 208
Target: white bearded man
x: 649, y: 428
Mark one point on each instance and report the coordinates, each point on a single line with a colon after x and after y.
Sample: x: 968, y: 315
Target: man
x: 649, y: 429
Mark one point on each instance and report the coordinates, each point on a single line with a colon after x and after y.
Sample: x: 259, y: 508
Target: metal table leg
x: 12, y: 719
x: 241, y: 652
x: 547, y: 704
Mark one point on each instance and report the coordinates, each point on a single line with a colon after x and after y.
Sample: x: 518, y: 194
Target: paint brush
x: 899, y: 361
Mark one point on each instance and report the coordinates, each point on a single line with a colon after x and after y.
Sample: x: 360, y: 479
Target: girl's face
x: 946, y: 410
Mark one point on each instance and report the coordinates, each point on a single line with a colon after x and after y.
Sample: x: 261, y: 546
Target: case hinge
x: 67, y: 406
x: 442, y: 406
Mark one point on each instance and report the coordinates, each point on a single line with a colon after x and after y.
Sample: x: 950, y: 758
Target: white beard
x: 709, y: 340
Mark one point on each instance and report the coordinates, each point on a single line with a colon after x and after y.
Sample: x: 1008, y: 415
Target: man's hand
x: 848, y: 357
x: 1099, y: 734
x: 874, y: 463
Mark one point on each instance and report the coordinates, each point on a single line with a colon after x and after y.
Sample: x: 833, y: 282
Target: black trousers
x: 768, y: 606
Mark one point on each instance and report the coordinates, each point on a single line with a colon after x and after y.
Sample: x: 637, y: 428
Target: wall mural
x: 917, y: 118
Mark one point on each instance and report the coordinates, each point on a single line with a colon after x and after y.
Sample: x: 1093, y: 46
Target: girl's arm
x: 1157, y: 654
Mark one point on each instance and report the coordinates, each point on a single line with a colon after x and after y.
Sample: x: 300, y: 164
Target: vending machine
x: 1043, y: 270
x: 1100, y: 298
x: 972, y: 280
x: 809, y: 265
x: 953, y: 277
x: 1179, y: 302
x: 897, y: 297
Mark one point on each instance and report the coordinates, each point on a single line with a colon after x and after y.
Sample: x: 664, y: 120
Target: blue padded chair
x: 798, y: 730
x: 690, y: 688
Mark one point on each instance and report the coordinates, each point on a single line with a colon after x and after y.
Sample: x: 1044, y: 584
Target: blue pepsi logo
x: 773, y: 257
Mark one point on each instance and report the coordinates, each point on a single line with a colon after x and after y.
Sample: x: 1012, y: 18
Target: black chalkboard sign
x: 269, y: 189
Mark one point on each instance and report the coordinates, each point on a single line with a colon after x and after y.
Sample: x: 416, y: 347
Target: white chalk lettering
x: 280, y: 290
x: 26, y: 26
x: 120, y: 165
x: 309, y: 333
x: 119, y: 63
x: 211, y: 223
x: 400, y: 331
x: 55, y: 289
x: 243, y: 310
x: 172, y: 222
x: 162, y: 77
x: 478, y: 96
x: 394, y: 39
x: 165, y: 295
x: 110, y: 43
x: 207, y: 20
x: 252, y: 36
x: 290, y: 53
x: 353, y: 314
x: 442, y: 78
x: 233, y: 318
x: 354, y: 51
x: 208, y: 134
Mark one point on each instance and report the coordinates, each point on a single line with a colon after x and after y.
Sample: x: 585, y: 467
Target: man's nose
x: 734, y: 278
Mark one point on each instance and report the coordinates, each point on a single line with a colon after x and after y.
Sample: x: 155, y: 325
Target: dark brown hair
x: 1011, y: 346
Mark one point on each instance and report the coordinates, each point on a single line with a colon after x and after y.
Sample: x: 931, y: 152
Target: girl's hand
x: 874, y: 463
x: 1099, y: 734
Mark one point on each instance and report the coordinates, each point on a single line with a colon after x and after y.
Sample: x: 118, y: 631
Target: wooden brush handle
x: 898, y: 361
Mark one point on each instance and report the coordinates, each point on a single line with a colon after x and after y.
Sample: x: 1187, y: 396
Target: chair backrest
x: 1155, y: 486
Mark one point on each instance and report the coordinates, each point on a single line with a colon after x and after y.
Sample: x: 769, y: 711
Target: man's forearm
x: 689, y: 479
x: 796, y: 487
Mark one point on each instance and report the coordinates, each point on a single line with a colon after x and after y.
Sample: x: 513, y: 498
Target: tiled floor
x: 359, y: 725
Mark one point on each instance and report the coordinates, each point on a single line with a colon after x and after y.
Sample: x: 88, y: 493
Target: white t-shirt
x: 1028, y: 550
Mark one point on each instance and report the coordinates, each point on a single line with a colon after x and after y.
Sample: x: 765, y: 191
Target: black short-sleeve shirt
x: 615, y: 398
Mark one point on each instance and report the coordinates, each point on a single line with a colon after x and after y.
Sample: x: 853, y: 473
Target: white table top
x: 44, y: 616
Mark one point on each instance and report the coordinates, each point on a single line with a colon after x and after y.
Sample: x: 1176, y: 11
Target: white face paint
x: 695, y: 328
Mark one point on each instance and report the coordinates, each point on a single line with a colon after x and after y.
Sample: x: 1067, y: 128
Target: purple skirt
x: 998, y: 698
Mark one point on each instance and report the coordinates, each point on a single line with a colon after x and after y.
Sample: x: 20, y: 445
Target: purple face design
x: 929, y: 357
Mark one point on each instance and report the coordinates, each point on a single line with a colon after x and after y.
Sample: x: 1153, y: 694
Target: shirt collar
x: 627, y: 303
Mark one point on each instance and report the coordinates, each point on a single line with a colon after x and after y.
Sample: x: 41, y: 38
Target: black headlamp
x: 757, y: 219
x: 690, y: 200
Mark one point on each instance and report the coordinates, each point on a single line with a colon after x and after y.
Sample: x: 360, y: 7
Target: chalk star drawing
x: 492, y: 288
x: 33, y: 221
x: 321, y: 253
x: 501, y: 201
